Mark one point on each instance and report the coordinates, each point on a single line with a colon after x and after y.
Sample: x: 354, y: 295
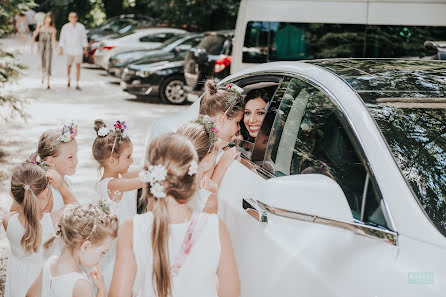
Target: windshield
x: 415, y: 129
x: 170, y: 41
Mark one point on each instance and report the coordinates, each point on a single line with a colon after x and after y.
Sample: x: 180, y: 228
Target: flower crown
x: 235, y: 95
x: 119, y: 131
x: 68, y: 133
x: 209, y: 124
x: 157, y: 174
x: 43, y: 165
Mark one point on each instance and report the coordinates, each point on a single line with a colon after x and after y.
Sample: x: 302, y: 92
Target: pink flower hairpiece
x: 120, y: 130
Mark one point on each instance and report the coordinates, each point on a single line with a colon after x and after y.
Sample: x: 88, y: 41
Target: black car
x: 210, y: 58
x: 173, y: 49
x: 160, y: 74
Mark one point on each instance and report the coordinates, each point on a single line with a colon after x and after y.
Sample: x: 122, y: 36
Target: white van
x: 289, y: 30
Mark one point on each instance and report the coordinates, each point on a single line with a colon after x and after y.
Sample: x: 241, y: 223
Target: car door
x: 304, y: 131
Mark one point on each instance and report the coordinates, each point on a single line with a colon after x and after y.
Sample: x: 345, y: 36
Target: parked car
x: 116, y: 24
x: 343, y: 193
x: 439, y: 47
x: 210, y: 58
x: 141, y: 39
x: 161, y: 73
x: 173, y: 49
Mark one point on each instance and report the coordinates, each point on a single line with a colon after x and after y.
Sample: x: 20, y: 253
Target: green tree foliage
x: 200, y: 15
x: 9, y: 70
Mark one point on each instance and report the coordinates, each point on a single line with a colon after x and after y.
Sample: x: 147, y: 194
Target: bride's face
x: 253, y: 115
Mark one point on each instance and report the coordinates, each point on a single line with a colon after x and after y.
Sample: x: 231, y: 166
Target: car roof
x: 157, y: 29
x: 388, y: 74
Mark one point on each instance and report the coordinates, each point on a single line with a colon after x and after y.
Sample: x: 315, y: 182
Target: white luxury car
x: 141, y: 39
x: 343, y: 192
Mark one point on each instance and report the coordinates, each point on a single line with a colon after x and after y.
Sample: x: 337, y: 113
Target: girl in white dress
x: 28, y: 228
x: 87, y: 233
x: 202, y: 133
x: 224, y: 105
x: 58, y: 150
x: 173, y: 251
x: 117, y: 188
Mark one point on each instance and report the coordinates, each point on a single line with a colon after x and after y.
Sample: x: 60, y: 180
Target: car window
x: 278, y: 41
x: 213, y: 44
x: 160, y: 37
x: 309, y: 135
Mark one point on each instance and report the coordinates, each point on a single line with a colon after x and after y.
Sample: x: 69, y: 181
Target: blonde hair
x: 199, y: 136
x: 176, y: 153
x: 48, y: 145
x: 27, y: 181
x: 215, y: 101
x: 109, y: 145
x: 82, y: 222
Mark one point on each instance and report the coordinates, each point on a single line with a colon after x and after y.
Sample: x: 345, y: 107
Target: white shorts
x: 77, y: 59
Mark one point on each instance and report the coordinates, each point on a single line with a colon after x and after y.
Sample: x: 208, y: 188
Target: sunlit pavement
x: 101, y: 97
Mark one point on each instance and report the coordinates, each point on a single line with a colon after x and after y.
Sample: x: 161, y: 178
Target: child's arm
x: 82, y: 288
x: 36, y: 288
x: 211, y: 205
x: 124, y: 184
x: 225, y: 161
x: 125, y: 265
x: 132, y: 173
x: 97, y: 278
x: 58, y: 182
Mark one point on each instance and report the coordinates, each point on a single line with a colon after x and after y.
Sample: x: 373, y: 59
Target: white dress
x: 197, y: 276
x: 199, y: 200
x: 124, y: 209
x: 23, y: 268
x: 59, y: 286
x: 58, y: 202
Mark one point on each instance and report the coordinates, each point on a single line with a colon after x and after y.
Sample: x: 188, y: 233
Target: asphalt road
x: 101, y: 97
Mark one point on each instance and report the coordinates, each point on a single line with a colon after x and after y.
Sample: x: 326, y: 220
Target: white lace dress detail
x: 197, y: 275
x: 59, y: 286
x: 23, y: 268
x: 124, y: 209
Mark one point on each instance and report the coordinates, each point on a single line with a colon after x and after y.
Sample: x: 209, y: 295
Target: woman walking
x: 47, y: 40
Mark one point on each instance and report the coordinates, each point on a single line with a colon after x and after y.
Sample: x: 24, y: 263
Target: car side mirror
x: 309, y: 194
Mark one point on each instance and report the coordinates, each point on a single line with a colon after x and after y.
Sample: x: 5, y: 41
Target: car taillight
x: 221, y: 63
x: 109, y: 47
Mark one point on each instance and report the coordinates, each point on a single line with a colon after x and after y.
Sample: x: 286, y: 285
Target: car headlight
x: 143, y: 73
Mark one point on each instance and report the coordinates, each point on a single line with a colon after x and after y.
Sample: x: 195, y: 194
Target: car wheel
x: 172, y: 90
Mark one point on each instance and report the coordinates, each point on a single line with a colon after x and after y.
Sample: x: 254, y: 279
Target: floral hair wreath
x: 209, y: 124
x: 234, y: 97
x: 157, y: 174
x: 68, y: 133
x: 120, y: 131
x: 44, y: 165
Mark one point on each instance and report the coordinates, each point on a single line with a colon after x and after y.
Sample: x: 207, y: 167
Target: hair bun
x: 210, y: 87
x: 98, y: 124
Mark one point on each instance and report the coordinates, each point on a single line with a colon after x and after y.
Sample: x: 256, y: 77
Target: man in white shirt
x: 73, y: 41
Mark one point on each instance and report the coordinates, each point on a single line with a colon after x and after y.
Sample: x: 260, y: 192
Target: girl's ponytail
x: 160, y: 238
x: 32, y: 237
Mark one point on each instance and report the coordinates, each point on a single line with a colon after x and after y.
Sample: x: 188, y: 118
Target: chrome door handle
x: 250, y: 206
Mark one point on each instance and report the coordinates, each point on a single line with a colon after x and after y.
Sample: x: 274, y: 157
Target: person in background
x: 30, y: 14
x: 73, y: 42
x: 47, y: 41
x: 21, y: 24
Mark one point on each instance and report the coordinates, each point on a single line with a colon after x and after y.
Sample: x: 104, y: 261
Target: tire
x: 172, y: 90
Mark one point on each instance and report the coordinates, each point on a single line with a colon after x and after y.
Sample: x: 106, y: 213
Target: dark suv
x: 211, y: 58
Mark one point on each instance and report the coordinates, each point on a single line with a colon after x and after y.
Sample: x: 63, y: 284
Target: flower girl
x: 224, y: 106
x: 172, y: 251
x: 57, y: 149
x: 202, y: 133
x: 113, y: 150
x: 28, y: 228
x: 87, y: 233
